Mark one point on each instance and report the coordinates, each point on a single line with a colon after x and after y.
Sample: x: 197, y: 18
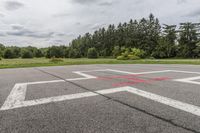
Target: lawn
x: 37, y: 62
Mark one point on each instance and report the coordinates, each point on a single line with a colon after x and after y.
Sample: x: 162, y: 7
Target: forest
x: 144, y: 38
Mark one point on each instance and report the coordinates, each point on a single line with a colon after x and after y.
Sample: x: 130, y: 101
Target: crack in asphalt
x: 170, y: 121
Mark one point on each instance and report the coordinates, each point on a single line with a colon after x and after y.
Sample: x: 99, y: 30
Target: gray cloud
x: 78, y: 23
x: 195, y: 13
x: 17, y: 26
x: 60, y: 15
x: 2, y: 15
x: 106, y: 4
x: 181, y: 1
x: 96, y: 26
x: 29, y: 33
x: 13, y: 5
x: 60, y: 34
x: 85, y: 1
x: 2, y: 34
x: 43, y: 22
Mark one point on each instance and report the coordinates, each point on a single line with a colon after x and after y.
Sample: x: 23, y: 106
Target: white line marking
x: 16, y: 99
x: 189, y: 80
x: 17, y: 95
x: 44, y: 82
x: 125, y: 72
x: 189, y: 72
x: 195, y: 110
x: 85, y: 75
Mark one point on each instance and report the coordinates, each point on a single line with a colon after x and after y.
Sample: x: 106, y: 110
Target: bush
x: 92, y: 53
x: 1, y: 53
x: 122, y: 58
x: 56, y: 60
x: 133, y: 57
x: 137, y: 52
x: 38, y: 53
x: 132, y: 54
x: 56, y: 51
x: 27, y: 54
x: 116, y: 51
x: 8, y: 54
x: 74, y: 53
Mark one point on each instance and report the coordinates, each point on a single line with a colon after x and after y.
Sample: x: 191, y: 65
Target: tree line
x: 146, y: 35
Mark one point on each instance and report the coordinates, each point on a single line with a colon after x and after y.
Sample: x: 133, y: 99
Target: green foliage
x: 39, y: 53
x: 1, y: 53
x: 164, y: 49
x: 8, y: 54
x: 143, y: 34
x: 133, y: 57
x: 137, y: 52
x: 122, y: 58
x: 92, y: 53
x: 74, y: 53
x: 116, y: 51
x: 56, y: 51
x: 188, y: 39
x: 197, y: 51
x: 27, y: 54
x: 132, y: 54
x: 129, y: 40
x: 56, y: 60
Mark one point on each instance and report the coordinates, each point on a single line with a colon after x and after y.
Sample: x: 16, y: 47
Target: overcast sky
x: 43, y: 23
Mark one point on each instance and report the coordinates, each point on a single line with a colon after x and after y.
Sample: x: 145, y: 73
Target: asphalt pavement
x: 100, y: 99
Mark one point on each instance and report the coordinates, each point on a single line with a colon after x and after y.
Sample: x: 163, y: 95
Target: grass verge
x: 38, y: 62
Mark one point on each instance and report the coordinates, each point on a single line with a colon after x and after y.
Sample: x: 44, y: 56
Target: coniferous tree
x: 188, y: 39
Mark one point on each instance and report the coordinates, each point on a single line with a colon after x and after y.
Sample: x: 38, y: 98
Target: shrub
x: 132, y: 54
x: 56, y: 60
x: 27, y: 54
x: 116, y: 51
x: 74, y: 53
x: 138, y: 52
x: 1, y: 53
x: 122, y: 58
x: 8, y: 54
x: 133, y: 57
x: 92, y: 53
x: 38, y: 53
x: 152, y: 58
x: 56, y: 51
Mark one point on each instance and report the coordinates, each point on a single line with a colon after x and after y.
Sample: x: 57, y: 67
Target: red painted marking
x: 121, y: 76
x: 136, y: 80
x: 160, y: 78
x: 123, y: 84
x: 132, y: 79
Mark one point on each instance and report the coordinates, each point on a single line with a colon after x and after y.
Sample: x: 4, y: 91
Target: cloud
x: 29, y: 33
x: 85, y: 1
x: 2, y: 34
x: 13, y: 5
x: 195, y: 13
x: 17, y: 26
x: 97, y: 26
x: 39, y: 22
x: 106, y: 4
x: 60, y: 34
x: 60, y: 15
x: 2, y: 15
x: 181, y: 1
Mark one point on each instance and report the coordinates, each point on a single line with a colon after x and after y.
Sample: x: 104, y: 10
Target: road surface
x: 100, y: 99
